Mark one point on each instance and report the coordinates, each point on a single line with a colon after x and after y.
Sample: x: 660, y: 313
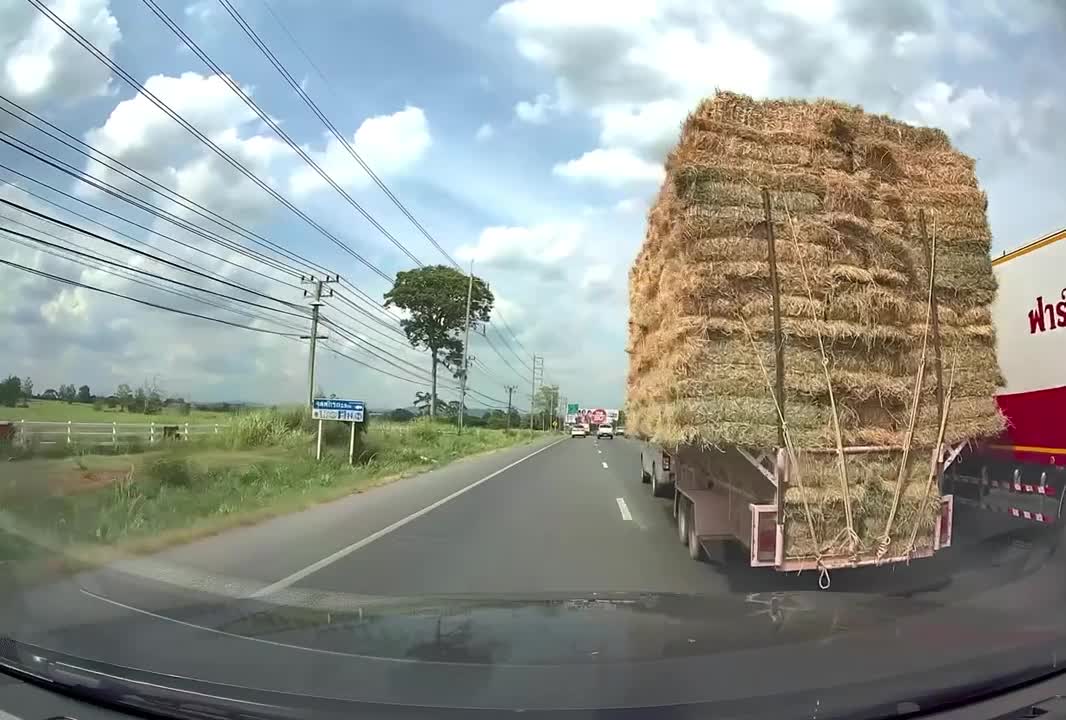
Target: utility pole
x: 538, y: 366
x: 510, y: 389
x: 466, y: 349
x: 314, y: 337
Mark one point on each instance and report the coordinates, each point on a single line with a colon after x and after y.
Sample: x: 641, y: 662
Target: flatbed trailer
x: 733, y: 494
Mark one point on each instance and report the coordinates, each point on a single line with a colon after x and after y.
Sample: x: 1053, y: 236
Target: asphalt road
x: 498, y: 564
x: 565, y: 515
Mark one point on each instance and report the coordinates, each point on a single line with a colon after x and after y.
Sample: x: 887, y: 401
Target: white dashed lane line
x: 623, y: 508
x: 605, y: 465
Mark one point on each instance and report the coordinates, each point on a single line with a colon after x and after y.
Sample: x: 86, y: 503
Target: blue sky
x: 527, y: 136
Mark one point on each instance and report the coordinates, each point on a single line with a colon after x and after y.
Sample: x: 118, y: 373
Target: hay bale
x: 847, y: 188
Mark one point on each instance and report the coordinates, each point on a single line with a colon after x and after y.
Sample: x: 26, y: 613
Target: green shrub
x: 262, y: 429
x: 172, y: 472
x: 424, y: 430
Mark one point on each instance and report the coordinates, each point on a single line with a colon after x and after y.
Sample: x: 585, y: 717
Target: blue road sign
x: 344, y: 410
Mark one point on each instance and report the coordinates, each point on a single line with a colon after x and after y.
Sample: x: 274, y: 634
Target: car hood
x: 574, y: 650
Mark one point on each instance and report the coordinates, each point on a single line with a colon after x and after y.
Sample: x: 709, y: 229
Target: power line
x: 117, y: 166
x: 501, y: 356
x: 94, y: 182
x: 179, y: 266
x: 151, y: 97
x: 339, y: 136
x: 101, y: 268
x: 166, y: 308
x: 139, y: 271
x: 292, y: 39
x: 91, y: 152
x: 375, y: 349
x: 499, y: 314
x: 357, y: 361
x: 120, y: 233
x: 258, y: 42
x: 254, y: 106
x: 508, y: 346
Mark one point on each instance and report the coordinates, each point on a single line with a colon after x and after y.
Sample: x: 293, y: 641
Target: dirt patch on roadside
x: 76, y: 480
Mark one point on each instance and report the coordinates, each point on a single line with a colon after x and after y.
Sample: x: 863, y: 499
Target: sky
x: 525, y: 136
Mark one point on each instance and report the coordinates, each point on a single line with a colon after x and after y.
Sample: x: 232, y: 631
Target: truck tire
x: 695, y: 550
x: 644, y: 476
x: 682, y: 521
x: 677, y: 501
x: 659, y: 489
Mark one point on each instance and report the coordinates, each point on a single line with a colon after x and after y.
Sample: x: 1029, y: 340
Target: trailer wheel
x: 658, y: 489
x: 644, y: 476
x: 695, y: 550
x: 682, y: 521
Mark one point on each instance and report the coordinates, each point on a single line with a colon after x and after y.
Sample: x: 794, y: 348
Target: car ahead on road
x: 605, y: 431
x: 620, y: 431
x: 578, y: 431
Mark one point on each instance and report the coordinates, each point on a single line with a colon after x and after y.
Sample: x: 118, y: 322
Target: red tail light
x: 666, y: 462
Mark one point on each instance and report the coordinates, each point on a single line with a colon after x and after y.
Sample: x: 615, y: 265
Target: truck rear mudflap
x: 768, y: 543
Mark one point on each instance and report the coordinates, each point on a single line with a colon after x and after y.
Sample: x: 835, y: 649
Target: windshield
x: 523, y: 354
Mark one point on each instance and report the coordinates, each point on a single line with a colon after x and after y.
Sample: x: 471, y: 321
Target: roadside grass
x: 264, y: 466
x: 59, y: 411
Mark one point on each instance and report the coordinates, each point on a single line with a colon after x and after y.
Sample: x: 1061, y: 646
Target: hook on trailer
x: 823, y: 578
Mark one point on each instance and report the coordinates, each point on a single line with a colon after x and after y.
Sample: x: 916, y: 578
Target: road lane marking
x: 623, y: 508
x: 604, y: 464
x: 345, y: 551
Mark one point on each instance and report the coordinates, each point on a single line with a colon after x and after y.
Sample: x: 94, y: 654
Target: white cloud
x: 484, y: 132
x: 651, y: 128
x: 613, y: 167
x: 536, y: 112
x: 69, y: 306
x: 540, y: 248
x: 41, y: 63
x: 389, y: 144
x: 202, y: 10
x: 147, y: 138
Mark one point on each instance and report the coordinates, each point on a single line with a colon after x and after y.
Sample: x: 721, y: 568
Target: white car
x: 578, y: 431
x: 605, y: 431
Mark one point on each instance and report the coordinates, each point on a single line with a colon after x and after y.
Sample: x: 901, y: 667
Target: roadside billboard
x: 591, y: 416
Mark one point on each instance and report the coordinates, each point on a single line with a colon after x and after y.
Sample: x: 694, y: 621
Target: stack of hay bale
x: 846, y: 189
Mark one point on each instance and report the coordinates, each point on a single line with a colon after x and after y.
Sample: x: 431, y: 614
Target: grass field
x: 262, y: 466
x: 59, y: 411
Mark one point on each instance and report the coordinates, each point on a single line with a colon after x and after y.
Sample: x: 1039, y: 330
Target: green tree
x: 435, y: 298
x: 84, y: 395
x: 10, y: 391
x: 124, y: 396
x: 401, y: 415
x: 140, y: 400
x: 68, y: 393
x: 546, y: 404
x: 27, y: 387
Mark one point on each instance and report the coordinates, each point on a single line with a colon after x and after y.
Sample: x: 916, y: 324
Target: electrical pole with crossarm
x: 314, y: 337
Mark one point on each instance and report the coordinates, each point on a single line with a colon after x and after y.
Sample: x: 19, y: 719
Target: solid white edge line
x: 623, y: 508
x: 348, y: 550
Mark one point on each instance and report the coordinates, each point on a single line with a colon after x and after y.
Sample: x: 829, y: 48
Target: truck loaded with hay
x: 810, y: 335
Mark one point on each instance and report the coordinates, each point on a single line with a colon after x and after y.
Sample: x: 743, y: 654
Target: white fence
x: 58, y: 432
